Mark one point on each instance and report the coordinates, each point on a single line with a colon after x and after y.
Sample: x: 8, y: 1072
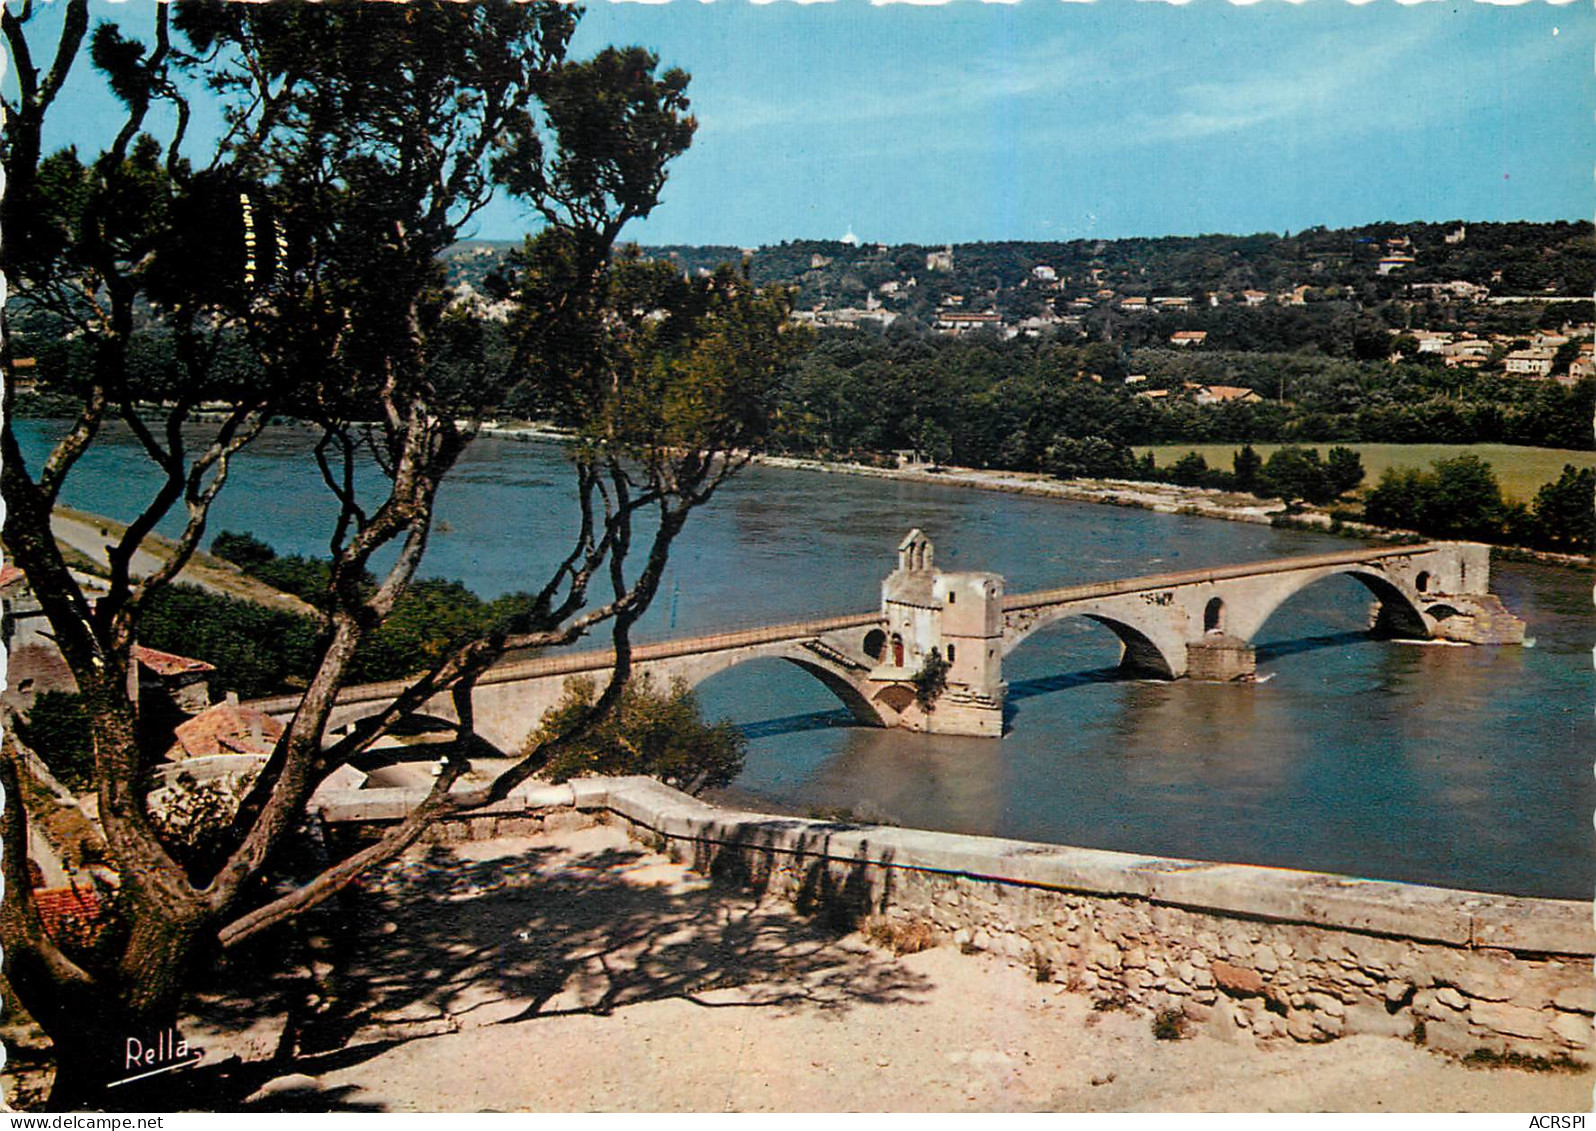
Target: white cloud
x: 1047, y: 69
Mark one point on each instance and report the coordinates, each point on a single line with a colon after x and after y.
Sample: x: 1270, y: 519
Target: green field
x: 1520, y: 471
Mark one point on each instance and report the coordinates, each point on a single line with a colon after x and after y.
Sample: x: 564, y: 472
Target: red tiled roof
x: 228, y: 728
x: 165, y: 663
x: 73, y: 910
x: 9, y: 574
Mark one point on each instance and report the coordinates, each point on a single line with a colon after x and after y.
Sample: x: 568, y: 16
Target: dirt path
x: 575, y: 971
x: 88, y: 535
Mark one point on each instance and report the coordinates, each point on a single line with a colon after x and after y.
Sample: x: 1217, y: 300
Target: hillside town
x: 1508, y: 300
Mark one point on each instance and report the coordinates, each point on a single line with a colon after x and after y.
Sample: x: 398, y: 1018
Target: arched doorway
x: 1212, y: 615
x: 897, y: 650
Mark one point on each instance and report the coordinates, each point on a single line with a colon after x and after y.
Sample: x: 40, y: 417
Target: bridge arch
x: 858, y: 704
x: 1401, y: 613
x: 853, y: 692
x: 1144, y: 649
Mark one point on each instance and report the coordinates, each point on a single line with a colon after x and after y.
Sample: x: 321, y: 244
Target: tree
x: 1402, y: 499
x: 1467, y: 501
x: 1190, y: 470
x: 1455, y: 498
x: 1565, y: 511
x: 659, y: 733
x: 1090, y: 457
x: 1248, y: 467
x: 360, y: 140
x: 1344, y: 469
x: 1296, y: 473
x: 931, y: 680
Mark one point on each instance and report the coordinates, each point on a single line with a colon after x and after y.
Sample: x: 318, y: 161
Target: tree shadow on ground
x: 448, y: 940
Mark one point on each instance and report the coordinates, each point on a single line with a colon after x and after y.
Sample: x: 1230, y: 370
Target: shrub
x: 899, y: 937
x: 57, y: 730
x: 1169, y: 1025
x: 658, y: 733
x: 244, y: 550
x: 256, y: 651
x: 1524, y: 1062
x: 931, y: 680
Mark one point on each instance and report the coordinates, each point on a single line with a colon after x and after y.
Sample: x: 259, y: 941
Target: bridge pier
x: 939, y: 628
x: 1220, y: 658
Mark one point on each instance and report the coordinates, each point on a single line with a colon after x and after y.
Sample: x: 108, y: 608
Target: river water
x: 1463, y: 767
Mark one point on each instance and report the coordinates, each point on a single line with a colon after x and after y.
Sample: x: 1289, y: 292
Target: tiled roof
x: 228, y: 728
x: 73, y: 910
x: 165, y: 663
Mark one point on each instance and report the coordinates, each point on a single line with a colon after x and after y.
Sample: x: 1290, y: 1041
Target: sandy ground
x: 575, y: 971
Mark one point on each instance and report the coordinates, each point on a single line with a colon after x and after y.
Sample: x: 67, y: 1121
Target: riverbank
x: 1163, y: 498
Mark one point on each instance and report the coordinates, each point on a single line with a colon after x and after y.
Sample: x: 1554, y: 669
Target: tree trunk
x: 91, y: 1024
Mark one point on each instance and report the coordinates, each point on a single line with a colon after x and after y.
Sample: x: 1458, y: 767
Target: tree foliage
x: 931, y: 680
x: 294, y: 270
x: 1455, y: 498
x: 56, y: 728
x: 1565, y: 511
x: 653, y: 731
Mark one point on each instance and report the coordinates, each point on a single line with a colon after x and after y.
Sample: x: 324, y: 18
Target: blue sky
x: 1046, y: 119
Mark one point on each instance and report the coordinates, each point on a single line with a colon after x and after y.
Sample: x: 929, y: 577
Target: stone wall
x: 1256, y: 953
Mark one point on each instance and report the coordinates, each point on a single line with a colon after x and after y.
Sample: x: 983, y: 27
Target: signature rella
x: 167, y: 1050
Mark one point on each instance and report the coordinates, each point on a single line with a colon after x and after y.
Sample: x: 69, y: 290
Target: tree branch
x: 21, y: 928
x: 340, y: 875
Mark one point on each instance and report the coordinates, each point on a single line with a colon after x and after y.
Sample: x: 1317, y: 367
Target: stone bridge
x: 1197, y: 624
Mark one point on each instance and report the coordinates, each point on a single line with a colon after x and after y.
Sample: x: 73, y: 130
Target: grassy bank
x: 1520, y: 471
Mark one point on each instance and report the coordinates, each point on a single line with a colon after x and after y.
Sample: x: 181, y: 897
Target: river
x: 1463, y: 767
